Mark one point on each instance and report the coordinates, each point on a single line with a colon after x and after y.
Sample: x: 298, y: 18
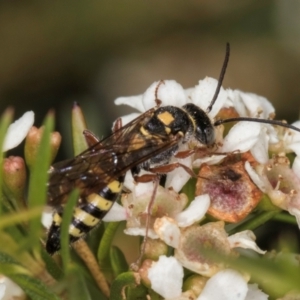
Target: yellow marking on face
x: 85, y: 217
x: 166, y: 118
x: 57, y: 219
x: 75, y: 232
x: 115, y: 186
x: 100, y: 202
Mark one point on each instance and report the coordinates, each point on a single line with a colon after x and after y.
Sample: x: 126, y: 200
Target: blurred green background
x: 53, y: 53
x: 57, y: 52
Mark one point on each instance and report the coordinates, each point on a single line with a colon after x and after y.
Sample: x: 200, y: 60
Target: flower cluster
x: 232, y: 179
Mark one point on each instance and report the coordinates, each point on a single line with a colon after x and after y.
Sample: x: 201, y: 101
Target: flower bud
x: 155, y: 248
x: 195, y: 283
x: 14, y: 178
x: 143, y: 271
x: 33, y: 141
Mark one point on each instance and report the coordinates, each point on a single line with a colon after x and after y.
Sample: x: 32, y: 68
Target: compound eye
x: 209, y: 134
x: 206, y: 135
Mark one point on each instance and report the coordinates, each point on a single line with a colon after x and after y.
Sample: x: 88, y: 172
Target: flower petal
x: 179, y: 177
x: 47, y: 216
x: 210, y: 160
x: 169, y: 92
x: 10, y: 289
x: 256, y: 178
x: 116, y: 213
x: 254, y: 106
x: 132, y: 101
x: 244, y: 239
x: 226, y: 285
x: 203, y: 95
x: 294, y: 211
x: 128, y: 118
x: 241, y: 137
x: 254, y: 293
x: 260, y: 148
x: 18, y: 130
x: 194, y: 212
x: 167, y: 230
x: 166, y: 277
x: 296, y: 166
x: 135, y: 231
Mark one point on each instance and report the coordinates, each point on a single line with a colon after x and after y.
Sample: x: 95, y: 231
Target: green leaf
x: 78, y: 126
x: 125, y: 281
x: 52, y: 267
x: 6, y: 119
x: 255, y: 221
x: 275, y: 277
x: 77, y: 287
x: 38, y: 181
x: 21, y: 276
x: 105, y: 246
x: 19, y: 217
x: 13, y: 248
x: 118, y: 261
x: 64, y: 235
x: 34, y: 288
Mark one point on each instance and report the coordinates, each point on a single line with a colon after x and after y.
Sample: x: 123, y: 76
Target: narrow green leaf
x: 6, y: 119
x: 38, y: 180
x: 13, y: 269
x: 52, y: 267
x: 64, y: 235
x: 254, y: 222
x: 105, y: 245
x: 275, y: 277
x: 34, y: 288
x: 19, y: 217
x: 286, y: 218
x: 78, y: 126
x: 118, y: 261
x: 13, y: 248
x: 77, y: 287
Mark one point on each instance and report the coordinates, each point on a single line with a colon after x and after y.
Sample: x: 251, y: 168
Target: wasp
x: 148, y: 142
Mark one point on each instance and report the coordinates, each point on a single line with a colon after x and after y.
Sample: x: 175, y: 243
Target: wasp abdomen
x: 85, y: 217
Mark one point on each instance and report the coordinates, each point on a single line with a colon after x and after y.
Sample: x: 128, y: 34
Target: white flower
x: 9, y: 290
x: 244, y: 136
x: 254, y: 293
x: 244, y: 239
x: 18, y: 130
x: 226, y: 285
x: 166, y: 277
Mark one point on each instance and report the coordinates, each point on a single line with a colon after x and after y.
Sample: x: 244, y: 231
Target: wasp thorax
x: 168, y: 120
x: 203, y: 128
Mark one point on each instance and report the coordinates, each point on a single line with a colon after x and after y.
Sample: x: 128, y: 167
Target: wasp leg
x: 135, y: 266
x: 171, y: 167
x: 160, y: 171
x: 185, y: 154
x: 145, y: 178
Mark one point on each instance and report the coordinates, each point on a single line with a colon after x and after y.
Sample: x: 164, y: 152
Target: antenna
x: 222, y: 74
x: 257, y: 120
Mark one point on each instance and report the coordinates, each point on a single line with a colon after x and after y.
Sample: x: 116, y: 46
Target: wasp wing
x: 107, y: 160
